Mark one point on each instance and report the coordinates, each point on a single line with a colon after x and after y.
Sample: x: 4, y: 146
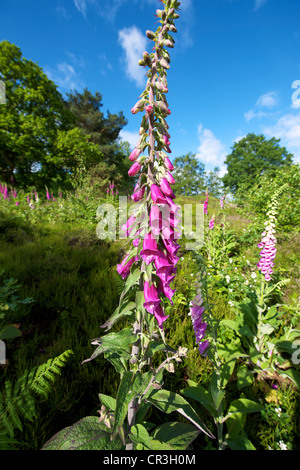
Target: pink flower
x: 170, y: 178
x: 150, y: 250
x: 166, y: 189
x: 168, y: 164
x: 206, y: 203
x: 157, y: 195
x: 151, y: 297
x: 135, y: 154
x: 212, y: 223
x: 135, y: 168
x: 138, y: 194
x: 149, y: 109
x: 199, y: 326
x: 124, y: 268
x: 159, y: 315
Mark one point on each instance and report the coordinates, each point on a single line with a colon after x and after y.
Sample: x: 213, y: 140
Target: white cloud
x: 64, y: 76
x: 134, y: 44
x: 131, y: 137
x: 259, y: 4
x: 287, y: 129
x: 63, y: 12
x: 268, y: 100
x: 81, y: 6
x: 211, y: 150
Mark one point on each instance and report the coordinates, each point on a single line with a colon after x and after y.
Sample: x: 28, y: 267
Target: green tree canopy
x: 102, y: 131
x: 29, y: 120
x: 252, y: 157
x: 189, y: 175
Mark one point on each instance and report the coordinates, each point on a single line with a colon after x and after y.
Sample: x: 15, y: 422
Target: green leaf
x: 119, y: 342
x: 86, y: 434
x: 201, y: 395
x: 156, y: 346
x: 107, y: 401
x: 240, y: 443
x: 243, y: 405
x: 168, y: 402
x: 292, y: 374
x: 178, y: 435
x: 119, y: 313
x: 245, y: 378
x: 10, y: 331
x: 131, y: 385
x: 140, y: 435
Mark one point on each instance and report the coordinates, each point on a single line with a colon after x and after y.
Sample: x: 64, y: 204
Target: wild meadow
x: 119, y: 335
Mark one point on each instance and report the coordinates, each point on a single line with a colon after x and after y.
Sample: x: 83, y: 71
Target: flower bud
x: 141, y: 160
x: 149, y: 109
x: 168, y: 43
x: 163, y: 107
x: 139, y: 106
x: 147, y: 59
x: 150, y: 34
x: 164, y: 63
x: 134, y: 169
x: 135, y: 154
x: 142, y: 63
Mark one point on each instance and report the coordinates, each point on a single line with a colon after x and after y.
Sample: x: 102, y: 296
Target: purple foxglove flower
x: 151, y: 297
x: 135, y: 154
x: 150, y: 250
x: 212, y: 223
x: 206, y: 203
x: 155, y: 219
x: 163, y: 264
x: 138, y: 195
x: 170, y: 178
x: 203, y: 346
x: 157, y: 195
x: 165, y: 187
x: 159, y: 315
x: 17, y: 203
x: 168, y: 164
x: 124, y: 268
x: 135, y: 168
x: 126, y: 227
x: 166, y: 290
x: 171, y: 247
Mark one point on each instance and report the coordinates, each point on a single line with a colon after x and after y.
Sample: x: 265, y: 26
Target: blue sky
x: 235, y: 67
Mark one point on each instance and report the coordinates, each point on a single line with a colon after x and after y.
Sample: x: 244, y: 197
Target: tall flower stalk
x: 149, y: 264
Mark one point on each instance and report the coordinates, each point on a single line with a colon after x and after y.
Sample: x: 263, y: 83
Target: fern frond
x: 18, y: 401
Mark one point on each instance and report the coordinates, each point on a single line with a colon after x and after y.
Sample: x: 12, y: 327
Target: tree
x: 189, y: 175
x: 252, y: 157
x: 213, y: 182
x: 104, y: 132
x: 29, y: 120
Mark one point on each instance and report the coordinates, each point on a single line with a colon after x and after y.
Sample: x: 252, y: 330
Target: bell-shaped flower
x: 150, y: 250
x: 151, y: 297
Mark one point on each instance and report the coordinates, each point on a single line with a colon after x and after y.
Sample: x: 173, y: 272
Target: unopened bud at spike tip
x: 150, y: 34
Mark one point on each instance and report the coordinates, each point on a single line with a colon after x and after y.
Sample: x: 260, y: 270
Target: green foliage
x: 29, y: 120
x: 17, y: 401
x: 257, y: 197
x: 189, y: 175
x: 9, y: 303
x: 86, y: 434
x: 251, y: 158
